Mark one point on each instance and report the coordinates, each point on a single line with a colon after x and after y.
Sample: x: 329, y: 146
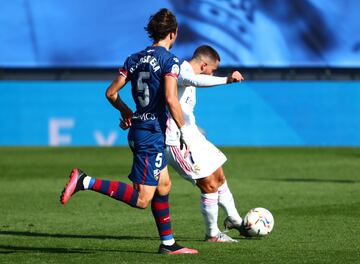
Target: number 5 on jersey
x: 143, y: 88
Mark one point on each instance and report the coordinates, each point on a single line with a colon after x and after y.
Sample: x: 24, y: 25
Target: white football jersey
x: 187, y: 82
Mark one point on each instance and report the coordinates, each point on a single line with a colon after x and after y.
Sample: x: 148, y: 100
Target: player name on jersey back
x: 147, y: 59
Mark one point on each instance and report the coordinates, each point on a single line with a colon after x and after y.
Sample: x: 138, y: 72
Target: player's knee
x: 220, y: 177
x: 213, y: 188
x: 221, y: 180
x: 142, y: 204
x: 210, y: 187
x: 208, y: 184
x: 164, y: 188
x: 167, y: 185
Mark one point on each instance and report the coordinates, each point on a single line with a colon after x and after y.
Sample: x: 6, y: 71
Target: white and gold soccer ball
x: 258, y: 222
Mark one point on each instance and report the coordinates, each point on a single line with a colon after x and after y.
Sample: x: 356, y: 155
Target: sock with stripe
x: 118, y: 190
x: 210, y: 211
x: 226, y: 200
x: 161, y: 213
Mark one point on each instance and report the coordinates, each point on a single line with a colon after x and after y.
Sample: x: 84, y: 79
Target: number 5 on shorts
x: 158, y: 160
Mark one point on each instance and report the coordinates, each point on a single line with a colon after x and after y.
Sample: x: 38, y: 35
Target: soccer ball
x: 258, y: 222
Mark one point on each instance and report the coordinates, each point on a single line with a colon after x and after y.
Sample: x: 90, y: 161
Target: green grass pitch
x: 313, y: 193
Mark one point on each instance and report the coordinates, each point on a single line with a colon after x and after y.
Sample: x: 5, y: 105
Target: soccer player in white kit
x: 203, y: 165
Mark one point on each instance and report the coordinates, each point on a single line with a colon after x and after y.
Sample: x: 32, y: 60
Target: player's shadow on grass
x: 16, y: 249
x: 312, y: 180
x: 6, y: 249
x: 37, y: 234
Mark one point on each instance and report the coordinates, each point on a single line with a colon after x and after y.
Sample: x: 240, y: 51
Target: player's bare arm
x: 112, y: 94
x: 171, y: 97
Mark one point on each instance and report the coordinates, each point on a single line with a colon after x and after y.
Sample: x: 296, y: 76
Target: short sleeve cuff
x: 123, y: 72
x: 176, y: 76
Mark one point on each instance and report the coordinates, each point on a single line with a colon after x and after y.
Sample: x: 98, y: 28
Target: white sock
x: 169, y: 242
x: 226, y: 200
x: 209, y: 210
x: 86, y: 182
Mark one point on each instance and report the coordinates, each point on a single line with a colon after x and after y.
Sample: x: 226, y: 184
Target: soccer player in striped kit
x: 153, y: 74
x: 203, y: 166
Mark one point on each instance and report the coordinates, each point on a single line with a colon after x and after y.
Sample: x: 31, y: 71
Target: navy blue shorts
x: 149, y: 159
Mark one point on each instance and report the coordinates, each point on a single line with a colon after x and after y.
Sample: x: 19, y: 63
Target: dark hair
x: 161, y: 24
x: 206, y: 51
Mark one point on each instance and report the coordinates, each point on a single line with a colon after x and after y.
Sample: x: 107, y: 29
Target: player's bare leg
x: 146, y: 193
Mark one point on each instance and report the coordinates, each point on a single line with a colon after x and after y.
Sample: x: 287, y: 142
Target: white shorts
x: 204, y: 156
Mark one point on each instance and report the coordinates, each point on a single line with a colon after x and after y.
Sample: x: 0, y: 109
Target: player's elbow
x: 111, y: 95
x: 171, y: 100
x: 108, y: 94
x: 111, y: 92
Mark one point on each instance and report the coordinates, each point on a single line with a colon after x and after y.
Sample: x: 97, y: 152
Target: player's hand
x: 126, y: 114
x: 125, y: 120
x: 125, y: 123
x: 235, y: 77
x: 184, y: 141
x: 184, y: 144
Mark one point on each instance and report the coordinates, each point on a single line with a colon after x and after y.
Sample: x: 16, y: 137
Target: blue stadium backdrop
x: 247, y: 114
x: 276, y: 33
x: 283, y: 33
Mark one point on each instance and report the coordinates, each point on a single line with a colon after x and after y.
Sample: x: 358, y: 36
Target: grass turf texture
x: 313, y: 194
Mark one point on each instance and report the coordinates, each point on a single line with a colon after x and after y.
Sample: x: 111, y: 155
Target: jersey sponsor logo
x: 144, y: 116
x: 144, y: 60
